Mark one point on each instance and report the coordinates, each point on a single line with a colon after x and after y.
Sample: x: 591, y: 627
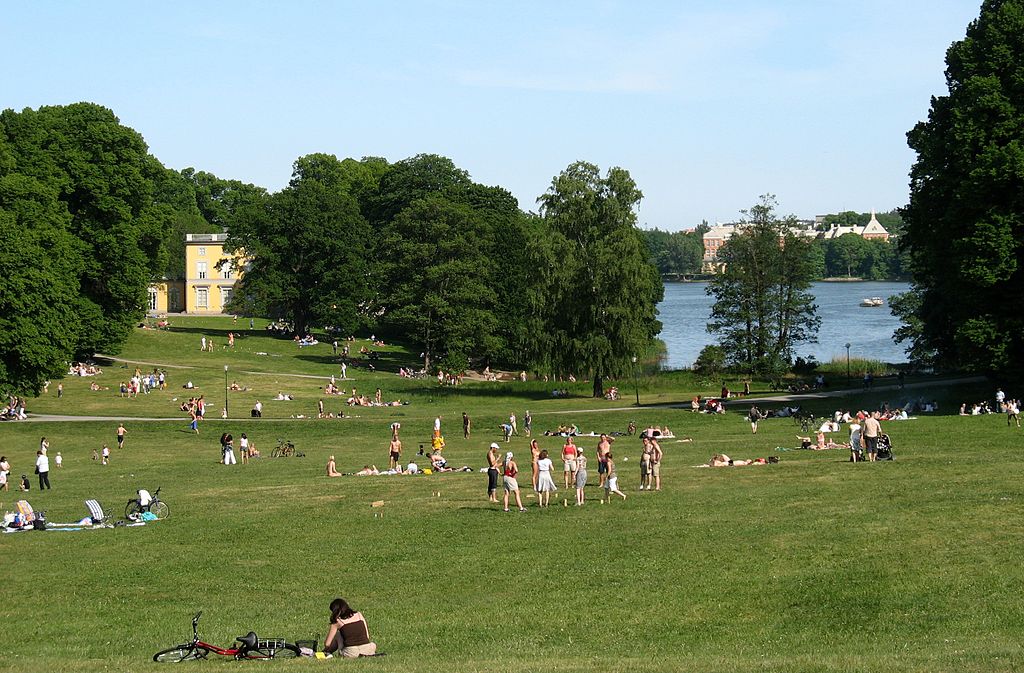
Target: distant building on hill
x: 209, y: 279
x: 873, y: 230
x: 716, y: 236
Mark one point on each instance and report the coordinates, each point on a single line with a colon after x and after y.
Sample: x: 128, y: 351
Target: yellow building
x: 209, y: 279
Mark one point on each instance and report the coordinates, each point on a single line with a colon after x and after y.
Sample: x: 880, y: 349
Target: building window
x: 225, y: 296
x: 202, y: 251
x: 225, y: 271
x: 201, y: 270
x: 202, y: 297
x: 152, y: 299
x: 173, y: 300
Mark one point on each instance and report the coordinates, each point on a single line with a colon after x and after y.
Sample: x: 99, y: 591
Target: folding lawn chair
x: 96, y: 513
x: 26, y: 511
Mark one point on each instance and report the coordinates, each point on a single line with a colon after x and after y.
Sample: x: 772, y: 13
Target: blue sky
x: 707, y: 104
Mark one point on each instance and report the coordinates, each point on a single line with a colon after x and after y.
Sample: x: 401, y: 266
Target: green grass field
x: 814, y: 564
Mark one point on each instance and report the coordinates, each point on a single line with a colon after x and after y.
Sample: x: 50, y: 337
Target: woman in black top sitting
x: 347, y: 634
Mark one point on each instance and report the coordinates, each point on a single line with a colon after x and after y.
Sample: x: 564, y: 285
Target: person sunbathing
x: 332, y: 468
x: 368, y: 471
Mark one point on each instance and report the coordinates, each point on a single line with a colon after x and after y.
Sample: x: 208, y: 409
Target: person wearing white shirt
x: 43, y: 469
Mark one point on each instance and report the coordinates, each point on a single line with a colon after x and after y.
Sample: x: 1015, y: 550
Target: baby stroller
x: 884, y: 451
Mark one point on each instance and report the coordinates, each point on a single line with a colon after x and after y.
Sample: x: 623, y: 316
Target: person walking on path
x: 493, y: 464
x: 871, y: 432
x: 581, y: 476
x: 612, y: 485
x: 43, y: 469
x: 545, y: 484
x: 754, y: 415
x: 511, y: 471
x: 121, y: 432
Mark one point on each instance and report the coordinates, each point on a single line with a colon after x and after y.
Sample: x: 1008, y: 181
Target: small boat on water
x: 872, y: 301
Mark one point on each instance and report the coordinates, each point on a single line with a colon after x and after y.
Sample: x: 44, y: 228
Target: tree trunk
x: 598, y: 386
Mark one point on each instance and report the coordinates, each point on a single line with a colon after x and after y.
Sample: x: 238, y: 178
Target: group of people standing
x: 575, y: 473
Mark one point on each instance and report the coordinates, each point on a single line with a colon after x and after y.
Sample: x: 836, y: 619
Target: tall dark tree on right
x: 965, y: 221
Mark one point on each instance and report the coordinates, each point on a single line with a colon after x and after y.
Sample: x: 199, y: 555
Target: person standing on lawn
x: 569, y: 462
x: 493, y: 464
x: 466, y: 425
x: 43, y: 469
x: 511, y: 471
x: 871, y: 432
x: 121, y: 432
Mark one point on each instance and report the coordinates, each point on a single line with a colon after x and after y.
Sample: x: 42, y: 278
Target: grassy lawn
x: 814, y: 564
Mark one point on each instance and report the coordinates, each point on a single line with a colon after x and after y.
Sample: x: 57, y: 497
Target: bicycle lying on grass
x: 147, y: 503
x: 250, y: 647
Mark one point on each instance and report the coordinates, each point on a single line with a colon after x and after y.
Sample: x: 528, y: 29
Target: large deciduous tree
x: 965, y: 220
x: 602, y: 289
x: 79, y: 193
x: 307, y: 246
x: 762, y: 307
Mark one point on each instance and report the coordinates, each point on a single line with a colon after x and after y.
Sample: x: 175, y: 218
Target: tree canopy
x: 601, y: 290
x: 965, y: 220
x: 307, y: 247
x: 85, y: 225
x: 762, y: 308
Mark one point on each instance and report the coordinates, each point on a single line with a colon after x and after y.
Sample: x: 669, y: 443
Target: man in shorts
x: 604, y: 447
x: 569, y: 462
x: 394, y: 452
x: 656, y: 456
x: 870, y: 432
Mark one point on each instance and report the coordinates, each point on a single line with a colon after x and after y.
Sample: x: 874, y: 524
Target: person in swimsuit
x: 347, y: 633
x: 581, y: 476
x: 604, y: 446
x: 535, y: 456
x: 120, y: 435
x: 511, y: 471
x: 394, y: 452
x: 332, y: 468
x: 612, y: 485
x: 569, y: 462
x: 645, y: 465
x: 492, y: 472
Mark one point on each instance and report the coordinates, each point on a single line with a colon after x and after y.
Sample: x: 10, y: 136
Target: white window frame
x: 201, y: 270
x: 204, y: 293
x: 202, y: 251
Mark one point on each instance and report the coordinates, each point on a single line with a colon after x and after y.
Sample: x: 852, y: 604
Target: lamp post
x: 847, y: 365
x: 225, y: 391
x: 636, y: 382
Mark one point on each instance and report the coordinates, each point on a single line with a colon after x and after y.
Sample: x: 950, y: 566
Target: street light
x: 847, y: 365
x: 636, y: 382
x: 225, y: 391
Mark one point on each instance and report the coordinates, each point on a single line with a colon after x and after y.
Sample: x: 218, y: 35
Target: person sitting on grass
x: 347, y: 633
x: 332, y: 468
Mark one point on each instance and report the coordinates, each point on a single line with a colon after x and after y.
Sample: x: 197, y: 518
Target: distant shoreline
x: 841, y: 279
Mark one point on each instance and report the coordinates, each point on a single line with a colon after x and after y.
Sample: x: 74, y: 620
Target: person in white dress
x: 545, y: 484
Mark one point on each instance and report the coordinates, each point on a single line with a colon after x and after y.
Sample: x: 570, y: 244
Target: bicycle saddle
x: 248, y: 640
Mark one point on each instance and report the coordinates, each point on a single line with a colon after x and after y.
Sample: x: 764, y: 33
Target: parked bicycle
x: 285, y: 449
x: 249, y: 647
x: 147, y: 503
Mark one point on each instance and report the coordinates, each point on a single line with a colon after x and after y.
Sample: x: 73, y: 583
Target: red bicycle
x: 250, y: 647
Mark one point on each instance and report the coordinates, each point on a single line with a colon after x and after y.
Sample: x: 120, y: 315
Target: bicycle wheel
x: 284, y: 651
x: 160, y: 509
x: 186, y: 652
x: 132, y: 509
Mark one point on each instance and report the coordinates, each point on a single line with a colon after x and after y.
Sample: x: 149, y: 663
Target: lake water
x: 685, y: 310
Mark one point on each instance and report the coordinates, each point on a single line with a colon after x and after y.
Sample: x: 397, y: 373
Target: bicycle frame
x: 257, y: 649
